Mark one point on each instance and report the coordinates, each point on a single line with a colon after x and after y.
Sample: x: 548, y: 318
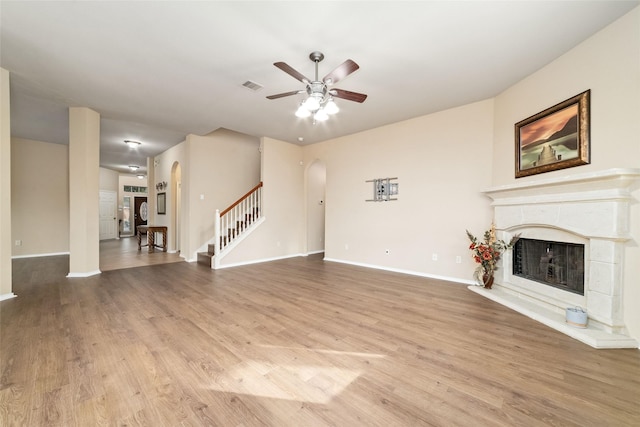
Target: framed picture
x: 162, y: 203
x: 556, y: 138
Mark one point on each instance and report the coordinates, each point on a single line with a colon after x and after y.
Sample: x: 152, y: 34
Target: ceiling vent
x: 252, y: 85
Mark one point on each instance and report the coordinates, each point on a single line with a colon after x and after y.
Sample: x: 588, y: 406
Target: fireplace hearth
x: 587, y: 212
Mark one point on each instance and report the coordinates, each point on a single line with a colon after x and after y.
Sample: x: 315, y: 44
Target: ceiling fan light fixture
x: 131, y: 143
x: 320, y: 115
x: 302, y: 112
x: 312, y: 103
x: 331, y: 107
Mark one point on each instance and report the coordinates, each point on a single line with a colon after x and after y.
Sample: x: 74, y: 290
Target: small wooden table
x: 151, y: 231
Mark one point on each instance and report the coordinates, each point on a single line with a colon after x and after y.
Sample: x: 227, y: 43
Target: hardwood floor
x: 296, y: 342
x: 124, y: 253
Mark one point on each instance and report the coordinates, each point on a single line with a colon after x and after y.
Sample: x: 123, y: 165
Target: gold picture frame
x: 556, y: 138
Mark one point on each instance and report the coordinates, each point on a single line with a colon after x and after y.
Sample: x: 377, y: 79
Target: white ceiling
x: 159, y: 70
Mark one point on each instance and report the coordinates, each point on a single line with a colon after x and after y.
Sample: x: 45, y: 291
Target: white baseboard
x: 314, y: 252
x: 39, y: 255
x: 7, y: 296
x: 87, y: 274
x: 409, y: 272
x: 258, y: 261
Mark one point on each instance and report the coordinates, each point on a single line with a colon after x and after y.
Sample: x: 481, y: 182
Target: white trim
x: 607, y: 179
x: 314, y: 252
x: 87, y: 274
x: 409, y: 272
x: 39, y: 255
x: 7, y: 296
x: 259, y: 261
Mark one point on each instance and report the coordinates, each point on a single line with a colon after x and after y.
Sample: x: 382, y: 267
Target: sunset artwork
x: 550, y: 139
x: 555, y: 138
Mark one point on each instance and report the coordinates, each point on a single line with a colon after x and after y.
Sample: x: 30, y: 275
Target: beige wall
x: 108, y: 179
x: 216, y: 170
x: 439, y: 195
x: 5, y: 188
x: 162, y: 172
x: 125, y: 179
x: 224, y: 165
x: 39, y: 197
x: 282, y: 233
x: 442, y: 161
x: 608, y: 63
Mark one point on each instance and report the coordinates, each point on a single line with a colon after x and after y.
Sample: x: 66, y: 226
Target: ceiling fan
x: 319, y: 102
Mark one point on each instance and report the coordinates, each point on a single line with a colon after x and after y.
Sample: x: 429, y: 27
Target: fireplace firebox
x: 556, y: 264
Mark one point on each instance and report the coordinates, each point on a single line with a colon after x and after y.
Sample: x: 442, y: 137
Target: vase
x: 487, y: 279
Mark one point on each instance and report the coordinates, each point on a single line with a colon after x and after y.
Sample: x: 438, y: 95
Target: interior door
x: 140, y: 213
x: 316, y: 193
x: 108, y: 219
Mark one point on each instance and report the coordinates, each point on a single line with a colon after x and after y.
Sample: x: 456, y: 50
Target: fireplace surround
x: 591, y: 209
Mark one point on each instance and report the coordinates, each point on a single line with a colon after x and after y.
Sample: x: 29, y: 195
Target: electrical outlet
x: 434, y: 257
x: 346, y: 246
x: 18, y: 242
x: 458, y: 259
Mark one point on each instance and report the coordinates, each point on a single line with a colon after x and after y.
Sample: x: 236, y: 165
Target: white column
x: 84, y: 190
x: 5, y: 188
x: 151, y: 192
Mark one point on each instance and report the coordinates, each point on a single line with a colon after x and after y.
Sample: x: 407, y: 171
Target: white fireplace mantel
x: 602, y: 185
x: 589, y: 208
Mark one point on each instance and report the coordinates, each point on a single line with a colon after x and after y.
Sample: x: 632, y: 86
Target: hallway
x: 122, y: 253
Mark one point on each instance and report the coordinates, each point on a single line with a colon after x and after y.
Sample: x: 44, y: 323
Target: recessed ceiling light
x: 140, y: 176
x: 131, y: 143
x: 134, y: 167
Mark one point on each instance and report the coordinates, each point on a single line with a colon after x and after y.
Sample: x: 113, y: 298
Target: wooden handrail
x: 237, y: 202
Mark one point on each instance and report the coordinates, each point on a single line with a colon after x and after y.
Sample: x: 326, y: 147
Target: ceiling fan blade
x: 342, y: 71
x: 292, y: 72
x: 282, y: 95
x: 348, y: 95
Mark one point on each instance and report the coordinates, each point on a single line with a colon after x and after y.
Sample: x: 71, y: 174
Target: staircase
x: 232, y: 225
